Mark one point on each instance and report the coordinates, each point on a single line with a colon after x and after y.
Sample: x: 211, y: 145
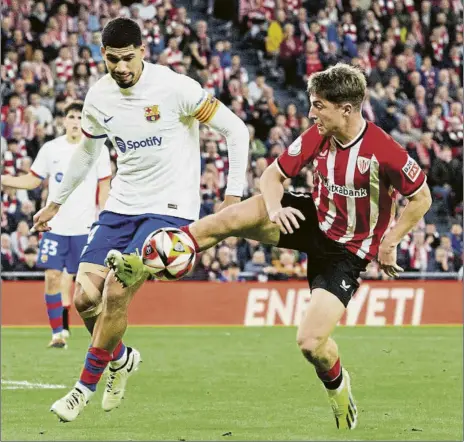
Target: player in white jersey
x: 151, y: 115
x: 61, y: 249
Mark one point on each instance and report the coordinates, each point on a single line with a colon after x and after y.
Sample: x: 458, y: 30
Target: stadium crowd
x: 411, y: 52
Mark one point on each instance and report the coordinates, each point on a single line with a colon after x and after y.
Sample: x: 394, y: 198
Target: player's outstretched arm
x: 27, y: 182
x: 86, y: 153
x: 416, y: 208
x: 198, y: 103
x: 238, y: 141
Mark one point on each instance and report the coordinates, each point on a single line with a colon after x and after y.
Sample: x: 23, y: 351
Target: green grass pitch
x: 221, y: 383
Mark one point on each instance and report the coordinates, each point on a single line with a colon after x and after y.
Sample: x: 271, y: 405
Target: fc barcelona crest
x: 152, y: 113
x: 363, y: 164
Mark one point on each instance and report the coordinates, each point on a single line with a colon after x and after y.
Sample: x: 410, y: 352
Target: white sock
x: 87, y: 392
x: 118, y: 363
x: 56, y: 336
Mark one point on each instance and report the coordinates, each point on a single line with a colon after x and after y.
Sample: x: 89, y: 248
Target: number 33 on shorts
x: 49, y: 247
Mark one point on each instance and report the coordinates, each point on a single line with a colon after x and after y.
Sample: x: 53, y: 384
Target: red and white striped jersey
x: 387, y: 7
x: 354, y: 187
x: 174, y: 58
x: 351, y: 31
x: 64, y: 69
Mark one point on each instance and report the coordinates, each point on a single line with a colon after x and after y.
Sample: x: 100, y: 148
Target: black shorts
x: 331, y: 266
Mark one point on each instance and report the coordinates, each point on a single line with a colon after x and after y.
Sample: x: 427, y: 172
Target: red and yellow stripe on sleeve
x: 207, y: 110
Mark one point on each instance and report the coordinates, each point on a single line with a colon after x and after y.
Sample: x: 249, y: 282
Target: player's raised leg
x: 248, y: 219
x: 323, y: 313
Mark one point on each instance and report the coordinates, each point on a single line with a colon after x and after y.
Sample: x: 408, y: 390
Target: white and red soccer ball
x: 169, y: 253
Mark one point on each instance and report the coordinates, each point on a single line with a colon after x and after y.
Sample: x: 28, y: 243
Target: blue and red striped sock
x: 119, y: 351
x: 95, y: 363
x: 55, y: 312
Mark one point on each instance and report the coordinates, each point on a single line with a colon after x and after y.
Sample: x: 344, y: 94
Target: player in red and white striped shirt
x: 341, y: 225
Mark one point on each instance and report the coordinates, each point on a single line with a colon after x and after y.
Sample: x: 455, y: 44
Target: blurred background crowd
x: 255, y: 56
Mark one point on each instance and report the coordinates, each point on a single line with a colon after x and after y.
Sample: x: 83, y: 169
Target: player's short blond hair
x: 339, y: 84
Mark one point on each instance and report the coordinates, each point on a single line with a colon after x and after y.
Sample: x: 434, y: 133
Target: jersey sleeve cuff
x: 418, y: 189
x: 93, y: 136
x: 105, y: 178
x: 281, y: 169
x: 36, y: 174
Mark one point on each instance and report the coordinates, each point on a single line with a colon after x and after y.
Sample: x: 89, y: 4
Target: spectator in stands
x: 287, y: 265
x: 257, y: 264
x: 29, y: 263
x: 202, y: 270
x: 9, y: 258
x: 257, y: 147
x: 41, y: 113
x: 290, y: 50
x: 308, y: 63
x: 274, y: 38
x: 441, y: 262
x: 25, y: 213
x: 146, y: 9
x: 33, y: 242
x: 405, y: 133
x: 19, y: 239
x: 419, y: 253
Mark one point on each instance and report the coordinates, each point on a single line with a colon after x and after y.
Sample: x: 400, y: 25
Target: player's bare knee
x: 89, y: 287
x: 52, y: 281
x: 310, y: 344
x: 81, y: 300
x: 116, y: 296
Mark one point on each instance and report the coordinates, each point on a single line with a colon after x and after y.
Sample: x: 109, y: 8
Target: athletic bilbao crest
x: 152, y: 113
x: 363, y: 164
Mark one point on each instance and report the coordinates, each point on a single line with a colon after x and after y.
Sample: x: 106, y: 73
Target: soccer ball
x: 169, y: 253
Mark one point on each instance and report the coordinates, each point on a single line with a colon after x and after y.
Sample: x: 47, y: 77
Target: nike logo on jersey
x: 345, y: 286
x: 107, y: 120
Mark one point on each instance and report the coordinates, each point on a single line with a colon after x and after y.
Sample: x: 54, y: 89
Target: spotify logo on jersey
x: 120, y: 143
x: 131, y: 144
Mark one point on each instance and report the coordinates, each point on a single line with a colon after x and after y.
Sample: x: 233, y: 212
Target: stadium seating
x: 411, y: 52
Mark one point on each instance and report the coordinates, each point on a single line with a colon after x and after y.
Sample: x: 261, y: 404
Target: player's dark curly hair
x: 339, y: 84
x: 121, y: 32
x: 74, y: 106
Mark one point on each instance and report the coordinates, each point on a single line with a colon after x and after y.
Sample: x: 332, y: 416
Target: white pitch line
x: 26, y: 385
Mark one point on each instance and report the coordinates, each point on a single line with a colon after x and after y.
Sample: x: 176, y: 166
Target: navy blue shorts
x: 57, y: 252
x: 125, y: 233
